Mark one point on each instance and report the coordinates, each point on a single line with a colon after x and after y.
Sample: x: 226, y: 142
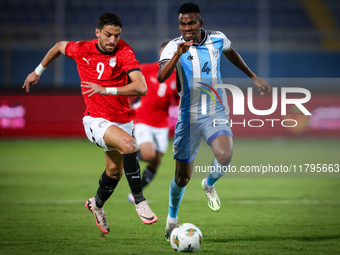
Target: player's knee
x: 129, y: 146
x: 224, y: 157
x: 182, y: 180
x: 113, y: 172
x: 148, y: 155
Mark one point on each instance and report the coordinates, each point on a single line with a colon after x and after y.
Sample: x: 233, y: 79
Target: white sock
x: 172, y: 220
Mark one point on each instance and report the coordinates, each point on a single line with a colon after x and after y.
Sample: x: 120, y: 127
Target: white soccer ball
x: 186, y: 238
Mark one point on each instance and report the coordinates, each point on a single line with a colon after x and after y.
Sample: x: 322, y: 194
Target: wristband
x: 39, y: 70
x: 111, y: 91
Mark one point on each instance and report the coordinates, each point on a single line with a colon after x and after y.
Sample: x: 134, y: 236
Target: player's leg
x: 185, y: 146
x: 111, y: 176
x: 177, y: 186
x: 118, y: 139
x: 107, y: 184
x: 145, y: 142
x: 146, y: 151
x: 151, y: 169
x: 220, y: 139
x: 176, y: 193
x: 145, y: 139
x: 160, y: 145
x: 153, y: 157
x: 95, y: 129
x: 152, y: 144
x: 222, y: 147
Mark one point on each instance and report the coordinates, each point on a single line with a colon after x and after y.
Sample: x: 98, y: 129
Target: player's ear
x: 97, y: 31
x: 201, y: 22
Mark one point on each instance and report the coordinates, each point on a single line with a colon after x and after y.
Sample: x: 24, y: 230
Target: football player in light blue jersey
x: 196, y: 56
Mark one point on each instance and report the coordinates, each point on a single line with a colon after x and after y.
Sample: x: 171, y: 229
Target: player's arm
x: 52, y: 54
x: 137, y: 87
x: 167, y: 68
x: 237, y: 60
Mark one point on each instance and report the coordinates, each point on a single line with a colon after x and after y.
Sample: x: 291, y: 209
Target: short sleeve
x: 129, y: 61
x: 168, y: 51
x: 72, y: 48
x: 226, y: 43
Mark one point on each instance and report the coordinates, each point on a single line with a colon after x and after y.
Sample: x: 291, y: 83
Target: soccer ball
x: 186, y: 238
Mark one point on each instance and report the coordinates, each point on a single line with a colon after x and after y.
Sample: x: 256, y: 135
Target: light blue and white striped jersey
x: 198, y: 70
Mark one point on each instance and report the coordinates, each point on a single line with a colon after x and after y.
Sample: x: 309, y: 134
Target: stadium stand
x: 28, y: 26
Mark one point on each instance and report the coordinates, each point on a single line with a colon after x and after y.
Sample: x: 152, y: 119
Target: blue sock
x: 219, y: 171
x: 175, y: 197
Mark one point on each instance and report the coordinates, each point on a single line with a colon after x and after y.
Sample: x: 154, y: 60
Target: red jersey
x: 153, y: 109
x: 107, y: 70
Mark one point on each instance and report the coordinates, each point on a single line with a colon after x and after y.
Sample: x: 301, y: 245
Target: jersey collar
x: 101, y: 51
x: 204, y: 36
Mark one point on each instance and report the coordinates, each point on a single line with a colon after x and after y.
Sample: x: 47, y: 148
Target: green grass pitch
x: 45, y: 183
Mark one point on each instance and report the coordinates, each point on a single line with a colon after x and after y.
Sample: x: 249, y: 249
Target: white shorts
x: 157, y: 136
x: 95, y: 129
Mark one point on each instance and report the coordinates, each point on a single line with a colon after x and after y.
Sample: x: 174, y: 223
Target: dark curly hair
x: 109, y: 18
x: 188, y: 8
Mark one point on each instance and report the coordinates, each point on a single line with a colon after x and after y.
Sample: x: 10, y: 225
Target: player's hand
x: 184, y: 47
x: 263, y: 86
x: 93, y: 88
x: 31, y: 79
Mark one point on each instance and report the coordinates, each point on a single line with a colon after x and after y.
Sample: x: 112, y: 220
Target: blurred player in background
x: 196, y: 55
x: 105, y: 65
x: 151, y: 119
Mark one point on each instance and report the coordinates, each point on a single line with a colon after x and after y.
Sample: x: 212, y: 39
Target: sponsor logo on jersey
x: 87, y: 61
x: 113, y: 62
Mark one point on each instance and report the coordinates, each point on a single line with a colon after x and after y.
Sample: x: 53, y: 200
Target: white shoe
x: 145, y: 213
x: 99, y: 215
x: 212, y: 199
x: 168, y: 229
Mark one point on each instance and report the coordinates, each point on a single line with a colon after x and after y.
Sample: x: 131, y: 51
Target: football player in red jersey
x: 151, y: 119
x: 105, y: 65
